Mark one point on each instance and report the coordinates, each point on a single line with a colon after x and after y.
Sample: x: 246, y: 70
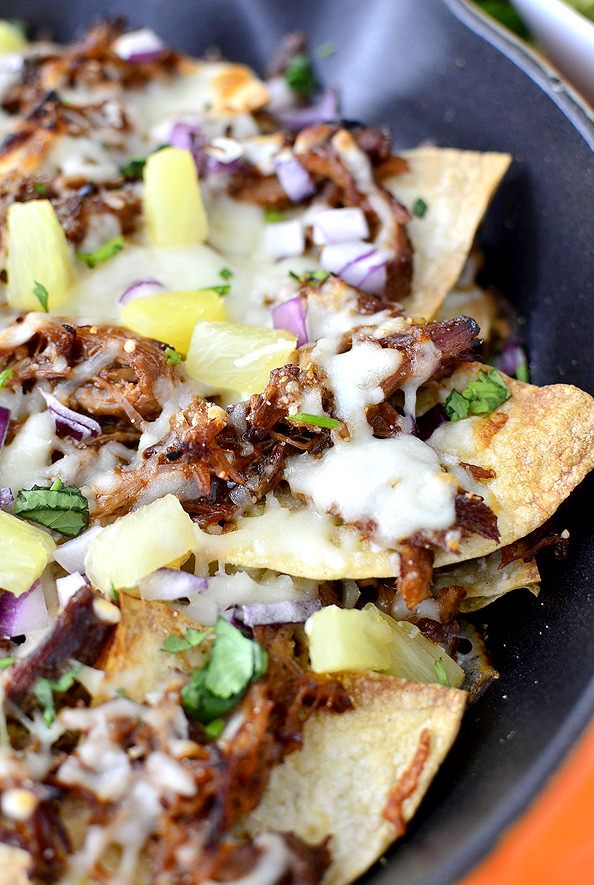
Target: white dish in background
x: 566, y: 36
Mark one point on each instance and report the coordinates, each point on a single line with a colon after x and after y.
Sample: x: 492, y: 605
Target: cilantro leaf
x: 225, y: 273
x: 310, y: 277
x: 173, y: 357
x: 64, y: 510
x: 315, y: 420
x: 44, y: 689
x: 5, y: 375
x: 272, y: 216
x: 220, y: 290
x: 214, y: 729
x: 40, y: 188
x: 200, y: 703
x: 6, y: 662
x: 299, y: 75
x: 103, y: 253
x: 192, y: 639
x: 522, y: 372
x: 42, y: 295
x: 134, y: 168
x: 440, y: 670
x: 480, y: 397
x: 420, y: 207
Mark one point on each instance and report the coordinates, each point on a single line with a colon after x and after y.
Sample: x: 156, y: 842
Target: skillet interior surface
x: 416, y: 66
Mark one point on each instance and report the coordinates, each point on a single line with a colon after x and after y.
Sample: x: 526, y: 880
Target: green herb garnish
x: 315, y: 420
x: 272, y: 216
x: 134, y: 168
x: 225, y: 273
x: 40, y: 188
x: 214, y: 729
x: 114, y: 594
x: 56, y: 485
x: 173, y: 357
x: 42, y: 295
x: 300, y: 76
x: 103, y: 253
x: 220, y: 290
x: 442, y: 676
x: 44, y: 690
x: 64, y: 510
x: 6, y: 662
x: 420, y: 207
x: 480, y: 397
x: 191, y: 639
x: 121, y: 692
x: 216, y: 688
x: 326, y: 49
x: 310, y: 277
x: 5, y: 375
x: 522, y: 372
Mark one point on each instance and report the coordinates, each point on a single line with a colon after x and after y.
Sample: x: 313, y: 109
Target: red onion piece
x: 6, y: 497
x: 68, y: 586
x: 339, y: 226
x: 71, y: 555
x: 290, y: 316
x: 430, y: 421
x: 140, y: 289
x: 294, y: 611
x: 324, y: 110
x: 284, y: 239
x: 4, y: 423
x: 511, y: 358
x: 295, y: 180
x: 139, y: 46
x: 21, y: 614
x: 69, y: 422
x: 189, y: 137
x: 359, y: 264
x: 170, y: 583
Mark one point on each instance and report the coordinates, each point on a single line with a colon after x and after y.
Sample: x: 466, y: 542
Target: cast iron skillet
x: 416, y: 65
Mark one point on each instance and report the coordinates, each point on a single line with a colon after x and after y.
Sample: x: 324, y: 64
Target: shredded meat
x: 42, y: 835
x: 306, y: 864
x: 416, y: 572
x: 474, y: 516
x: 480, y: 474
x: 406, y: 786
x: 527, y: 548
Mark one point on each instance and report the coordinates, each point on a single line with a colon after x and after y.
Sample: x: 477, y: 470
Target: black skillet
x: 438, y: 70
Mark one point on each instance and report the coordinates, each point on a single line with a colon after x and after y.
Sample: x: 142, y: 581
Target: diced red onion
x: 294, y: 178
x: 294, y: 611
x: 284, y: 239
x: 68, y: 586
x: 140, y: 289
x: 430, y: 421
x: 290, y: 316
x: 21, y: 614
x: 4, y: 423
x: 189, y: 137
x: 170, y: 583
x: 511, y: 358
x: 359, y: 264
x: 6, y: 497
x: 71, y: 555
x: 139, y: 46
x: 69, y: 422
x: 339, y: 226
x: 324, y: 110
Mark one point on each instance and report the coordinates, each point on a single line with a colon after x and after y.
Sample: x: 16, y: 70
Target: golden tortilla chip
x: 540, y: 443
x: 484, y: 581
x: 472, y: 302
x: 398, y: 733
x: 133, y: 661
x: 457, y: 187
x: 14, y: 865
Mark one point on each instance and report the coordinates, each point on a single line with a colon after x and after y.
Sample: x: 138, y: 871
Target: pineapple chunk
x: 24, y: 553
x: 367, y: 639
x: 173, y: 209
x: 229, y: 356
x: 37, y: 253
x: 11, y: 38
x: 138, y: 544
x: 171, y: 316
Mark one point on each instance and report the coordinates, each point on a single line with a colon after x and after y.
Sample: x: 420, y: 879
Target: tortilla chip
x: 133, y: 661
x: 485, y: 582
x: 457, y: 187
x: 314, y: 793
x: 472, y: 302
x: 14, y: 865
x: 540, y: 443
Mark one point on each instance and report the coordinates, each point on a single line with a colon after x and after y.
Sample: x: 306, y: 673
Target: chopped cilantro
x: 272, y: 216
x: 173, y: 357
x: 56, y: 485
x: 6, y: 662
x: 315, y: 420
x: 44, y: 690
x: 310, y: 277
x: 225, y: 273
x: 522, y: 372
x: 42, y: 295
x: 216, y: 688
x: 192, y: 639
x: 420, y: 207
x: 64, y: 510
x: 40, y: 188
x: 220, y: 290
x: 326, y: 49
x: 214, y: 729
x: 440, y: 670
x: 103, y: 253
x: 5, y: 375
x: 300, y: 76
x: 121, y: 692
x: 134, y: 168
x: 480, y: 397
x: 115, y: 595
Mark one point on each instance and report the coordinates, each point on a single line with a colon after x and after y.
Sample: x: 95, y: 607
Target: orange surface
x: 553, y: 844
